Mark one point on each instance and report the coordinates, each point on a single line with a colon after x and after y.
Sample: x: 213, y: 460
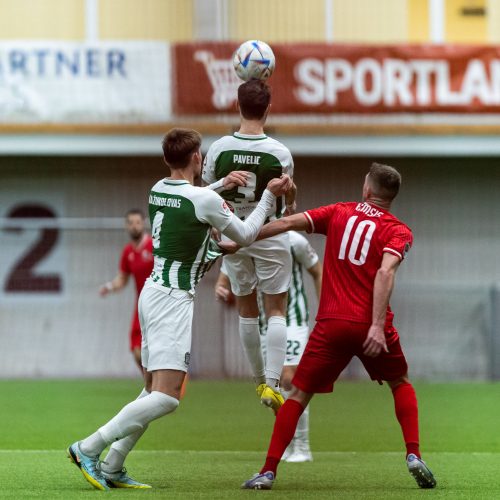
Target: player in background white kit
x: 182, y: 217
x: 297, y: 319
x: 266, y: 264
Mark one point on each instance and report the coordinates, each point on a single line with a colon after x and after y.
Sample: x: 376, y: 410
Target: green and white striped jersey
x: 182, y: 216
x: 263, y: 157
x: 303, y: 256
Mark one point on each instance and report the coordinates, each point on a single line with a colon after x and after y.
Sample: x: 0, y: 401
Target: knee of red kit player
x: 401, y: 381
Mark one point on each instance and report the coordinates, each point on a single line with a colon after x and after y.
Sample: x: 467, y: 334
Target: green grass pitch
x: 218, y: 437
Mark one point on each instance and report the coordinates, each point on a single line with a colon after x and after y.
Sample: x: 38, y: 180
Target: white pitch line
x: 253, y: 452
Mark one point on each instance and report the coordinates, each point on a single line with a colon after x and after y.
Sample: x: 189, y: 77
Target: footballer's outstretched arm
x: 296, y: 222
x: 382, y: 290
x: 244, y: 233
x: 232, y: 180
x: 115, y: 285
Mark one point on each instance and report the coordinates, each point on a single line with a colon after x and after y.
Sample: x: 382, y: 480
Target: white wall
x: 442, y: 300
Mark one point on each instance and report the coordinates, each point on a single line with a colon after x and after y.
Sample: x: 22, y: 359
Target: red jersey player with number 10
x: 136, y: 260
x: 365, y: 245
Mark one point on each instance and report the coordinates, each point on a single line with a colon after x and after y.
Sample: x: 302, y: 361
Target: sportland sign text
x: 321, y: 78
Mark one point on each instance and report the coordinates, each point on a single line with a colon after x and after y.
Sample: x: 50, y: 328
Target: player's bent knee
x: 300, y: 396
x: 398, y: 381
x: 287, y: 376
x: 165, y: 404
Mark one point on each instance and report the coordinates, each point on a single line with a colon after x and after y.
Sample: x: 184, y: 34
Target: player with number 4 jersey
x: 365, y: 245
x: 266, y: 264
x: 182, y: 217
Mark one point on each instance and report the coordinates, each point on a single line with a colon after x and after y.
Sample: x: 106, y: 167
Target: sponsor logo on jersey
x: 406, y: 250
x: 227, y: 207
x: 246, y: 159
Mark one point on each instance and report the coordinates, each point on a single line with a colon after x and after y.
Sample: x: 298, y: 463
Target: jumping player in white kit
x: 268, y: 263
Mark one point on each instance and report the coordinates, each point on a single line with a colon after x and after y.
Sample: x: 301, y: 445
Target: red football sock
x: 405, y: 402
x: 284, y: 429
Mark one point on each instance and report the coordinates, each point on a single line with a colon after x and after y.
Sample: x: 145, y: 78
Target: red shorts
x: 331, y: 346
x: 135, y: 332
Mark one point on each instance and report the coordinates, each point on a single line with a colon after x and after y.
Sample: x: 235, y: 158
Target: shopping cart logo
x: 222, y: 77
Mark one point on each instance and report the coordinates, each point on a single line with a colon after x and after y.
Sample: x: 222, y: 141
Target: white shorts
x: 266, y: 264
x: 166, y: 317
x: 296, y: 340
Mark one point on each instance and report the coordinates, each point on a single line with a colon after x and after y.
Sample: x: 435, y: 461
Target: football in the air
x: 254, y: 59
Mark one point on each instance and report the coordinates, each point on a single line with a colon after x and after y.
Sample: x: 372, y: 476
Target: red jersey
x: 357, y: 235
x: 138, y: 261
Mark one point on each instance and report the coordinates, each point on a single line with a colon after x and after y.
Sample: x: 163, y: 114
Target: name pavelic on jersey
x: 164, y: 202
x: 246, y: 159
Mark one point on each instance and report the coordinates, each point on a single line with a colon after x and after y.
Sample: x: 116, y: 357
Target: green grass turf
x: 218, y: 436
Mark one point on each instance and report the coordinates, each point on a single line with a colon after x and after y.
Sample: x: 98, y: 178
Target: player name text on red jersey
x: 368, y: 210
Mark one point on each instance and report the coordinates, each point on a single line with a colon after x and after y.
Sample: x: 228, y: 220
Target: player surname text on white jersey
x: 246, y: 159
x: 164, y: 202
x: 368, y: 210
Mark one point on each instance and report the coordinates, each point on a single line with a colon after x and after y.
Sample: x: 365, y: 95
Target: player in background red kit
x: 365, y: 245
x: 136, y: 260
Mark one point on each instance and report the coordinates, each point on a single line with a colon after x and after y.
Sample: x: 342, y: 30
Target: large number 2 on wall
x: 356, y: 240
x: 23, y: 277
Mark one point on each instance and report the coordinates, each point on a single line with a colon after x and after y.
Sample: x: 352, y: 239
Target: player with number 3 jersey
x: 364, y: 247
x: 266, y: 264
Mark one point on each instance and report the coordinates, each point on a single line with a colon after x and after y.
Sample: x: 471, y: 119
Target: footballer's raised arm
x: 245, y: 233
x: 215, y: 212
x: 296, y: 222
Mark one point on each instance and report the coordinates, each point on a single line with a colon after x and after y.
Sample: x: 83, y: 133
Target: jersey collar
x: 175, y: 182
x: 248, y: 137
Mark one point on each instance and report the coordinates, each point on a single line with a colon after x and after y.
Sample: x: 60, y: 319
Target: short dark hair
x: 135, y: 211
x: 178, y: 145
x: 254, y: 97
x: 384, y: 180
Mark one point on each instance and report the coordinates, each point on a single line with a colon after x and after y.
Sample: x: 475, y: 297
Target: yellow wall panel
x: 418, y: 21
x: 42, y: 19
x: 493, y: 20
x: 465, y: 29
x: 146, y: 19
x: 277, y: 20
x: 370, y: 21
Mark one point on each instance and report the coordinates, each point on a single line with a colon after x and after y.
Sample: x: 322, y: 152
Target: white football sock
x: 302, y: 431
x: 120, y: 449
x: 250, y: 340
x: 275, y: 349
x: 132, y: 418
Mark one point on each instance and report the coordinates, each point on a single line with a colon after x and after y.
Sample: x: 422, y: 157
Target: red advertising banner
x: 328, y: 78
